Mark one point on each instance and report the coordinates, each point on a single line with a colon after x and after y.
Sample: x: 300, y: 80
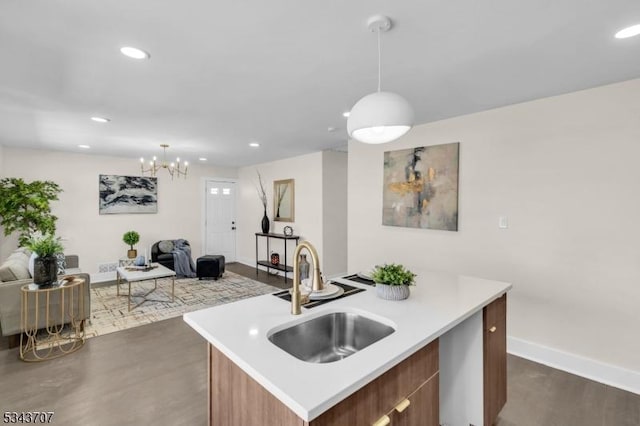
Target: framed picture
x: 421, y: 187
x: 283, y: 200
x: 128, y: 194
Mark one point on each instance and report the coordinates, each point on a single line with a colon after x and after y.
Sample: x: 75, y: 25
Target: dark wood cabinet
x: 423, y: 406
x: 415, y: 379
x: 237, y: 399
x: 494, y: 335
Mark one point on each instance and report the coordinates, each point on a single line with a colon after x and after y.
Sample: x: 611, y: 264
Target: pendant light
x: 381, y: 116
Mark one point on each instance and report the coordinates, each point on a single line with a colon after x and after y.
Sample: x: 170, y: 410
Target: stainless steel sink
x: 330, y: 337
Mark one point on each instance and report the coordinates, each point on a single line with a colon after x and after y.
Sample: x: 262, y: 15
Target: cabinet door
x: 370, y: 403
x: 235, y: 399
x: 495, y: 358
x: 423, y: 408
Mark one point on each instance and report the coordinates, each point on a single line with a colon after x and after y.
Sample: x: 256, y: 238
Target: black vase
x: 265, y: 223
x: 45, y: 270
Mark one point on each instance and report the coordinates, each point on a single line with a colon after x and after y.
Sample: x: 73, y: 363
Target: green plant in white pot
x: 393, y: 281
x: 45, y: 264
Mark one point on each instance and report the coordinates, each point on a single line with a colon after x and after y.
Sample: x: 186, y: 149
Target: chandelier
x: 172, y: 168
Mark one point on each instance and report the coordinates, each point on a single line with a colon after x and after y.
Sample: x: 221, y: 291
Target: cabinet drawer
x: 368, y: 404
x: 423, y: 408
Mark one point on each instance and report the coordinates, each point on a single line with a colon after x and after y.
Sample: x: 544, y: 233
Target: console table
x: 267, y: 263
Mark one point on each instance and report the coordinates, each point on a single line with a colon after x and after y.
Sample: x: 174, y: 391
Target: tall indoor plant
x: 25, y: 207
x: 45, y: 264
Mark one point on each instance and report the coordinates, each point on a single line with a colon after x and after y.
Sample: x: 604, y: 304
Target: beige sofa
x: 14, y: 273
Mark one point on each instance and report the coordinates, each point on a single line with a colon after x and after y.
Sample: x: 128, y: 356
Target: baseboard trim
x: 607, y: 374
x: 248, y: 262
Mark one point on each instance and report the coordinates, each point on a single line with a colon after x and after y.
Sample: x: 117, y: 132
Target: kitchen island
x: 442, y: 324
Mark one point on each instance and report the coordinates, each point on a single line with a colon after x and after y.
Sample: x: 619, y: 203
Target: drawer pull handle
x: 402, y: 405
x: 383, y: 421
x: 492, y: 329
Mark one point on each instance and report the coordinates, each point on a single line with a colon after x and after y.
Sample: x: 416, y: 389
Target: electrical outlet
x: 503, y: 222
x: 107, y: 267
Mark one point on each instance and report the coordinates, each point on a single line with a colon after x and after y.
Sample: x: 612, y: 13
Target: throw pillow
x: 165, y: 246
x: 23, y: 250
x: 19, y: 256
x: 62, y: 264
x: 13, y: 270
x: 31, y: 261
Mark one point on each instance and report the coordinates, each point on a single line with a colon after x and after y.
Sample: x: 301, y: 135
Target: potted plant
x: 131, y: 238
x: 392, y: 281
x: 25, y: 207
x: 45, y: 264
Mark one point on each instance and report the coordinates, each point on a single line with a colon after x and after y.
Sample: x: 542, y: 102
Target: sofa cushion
x: 165, y: 257
x: 23, y: 250
x: 165, y: 246
x: 12, y: 270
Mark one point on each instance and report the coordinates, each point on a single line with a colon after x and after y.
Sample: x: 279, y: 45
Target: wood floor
x: 262, y: 276
x: 156, y: 374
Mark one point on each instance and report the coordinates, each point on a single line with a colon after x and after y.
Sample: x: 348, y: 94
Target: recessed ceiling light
x: 202, y: 159
x: 134, y: 52
x: 254, y: 144
x: 346, y: 114
x: 101, y: 119
x: 631, y: 31
x: 84, y: 146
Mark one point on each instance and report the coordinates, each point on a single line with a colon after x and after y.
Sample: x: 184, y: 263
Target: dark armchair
x: 161, y: 253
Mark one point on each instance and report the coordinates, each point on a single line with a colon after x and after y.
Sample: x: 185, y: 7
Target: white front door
x: 220, y: 225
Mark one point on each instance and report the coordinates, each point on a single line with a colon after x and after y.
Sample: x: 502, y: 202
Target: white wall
x: 2, y: 237
x: 565, y: 172
x: 307, y: 172
x: 334, y: 212
x: 98, y: 238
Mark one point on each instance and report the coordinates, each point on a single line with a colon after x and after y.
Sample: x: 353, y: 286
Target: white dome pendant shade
x: 381, y: 116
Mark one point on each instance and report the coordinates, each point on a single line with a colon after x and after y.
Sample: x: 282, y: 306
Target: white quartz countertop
x: 240, y: 330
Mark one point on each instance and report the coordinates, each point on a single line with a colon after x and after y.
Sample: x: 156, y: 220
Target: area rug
x: 109, y: 312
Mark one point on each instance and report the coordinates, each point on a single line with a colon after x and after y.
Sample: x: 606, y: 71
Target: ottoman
x: 210, y: 266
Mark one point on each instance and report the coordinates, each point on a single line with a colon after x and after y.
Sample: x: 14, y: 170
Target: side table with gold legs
x: 44, y: 313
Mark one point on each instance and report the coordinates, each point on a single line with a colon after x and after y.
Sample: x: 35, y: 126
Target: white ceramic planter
x: 392, y: 292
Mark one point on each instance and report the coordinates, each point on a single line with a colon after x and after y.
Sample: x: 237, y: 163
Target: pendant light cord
x: 379, y: 61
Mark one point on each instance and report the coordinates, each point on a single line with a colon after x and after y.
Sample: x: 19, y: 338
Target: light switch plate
x: 503, y: 222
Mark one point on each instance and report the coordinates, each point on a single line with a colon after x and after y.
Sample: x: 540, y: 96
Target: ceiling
x: 281, y: 72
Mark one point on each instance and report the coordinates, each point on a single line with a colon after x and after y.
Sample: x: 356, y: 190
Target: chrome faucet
x: 318, y: 284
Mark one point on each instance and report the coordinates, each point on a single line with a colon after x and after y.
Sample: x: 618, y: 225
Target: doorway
x: 220, y: 219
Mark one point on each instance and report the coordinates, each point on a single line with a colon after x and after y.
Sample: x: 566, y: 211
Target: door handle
x: 402, y: 405
x: 383, y: 421
x: 233, y: 228
x: 492, y: 329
